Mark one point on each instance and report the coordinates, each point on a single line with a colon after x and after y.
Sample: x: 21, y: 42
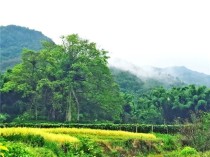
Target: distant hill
x: 15, y: 38
x: 188, y: 76
x: 167, y: 77
x: 130, y: 82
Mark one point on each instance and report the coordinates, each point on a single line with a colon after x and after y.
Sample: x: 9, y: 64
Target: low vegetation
x: 191, y: 140
x: 80, y: 142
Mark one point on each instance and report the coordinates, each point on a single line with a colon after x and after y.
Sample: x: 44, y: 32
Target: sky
x: 157, y: 33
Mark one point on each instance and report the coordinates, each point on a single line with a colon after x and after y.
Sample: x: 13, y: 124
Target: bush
x: 188, y: 151
x: 169, y: 142
x: 86, y: 148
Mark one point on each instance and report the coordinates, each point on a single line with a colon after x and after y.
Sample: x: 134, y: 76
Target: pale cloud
x: 159, y: 33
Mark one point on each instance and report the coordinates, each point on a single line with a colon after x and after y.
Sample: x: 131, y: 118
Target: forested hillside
x: 13, y: 39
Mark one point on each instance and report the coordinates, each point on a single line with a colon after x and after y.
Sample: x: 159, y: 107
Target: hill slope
x: 13, y: 39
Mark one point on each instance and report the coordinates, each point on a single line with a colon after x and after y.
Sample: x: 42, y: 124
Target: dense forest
x: 73, y: 83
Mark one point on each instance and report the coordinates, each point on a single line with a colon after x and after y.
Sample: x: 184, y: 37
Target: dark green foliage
x: 13, y: 40
x: 3, y: 117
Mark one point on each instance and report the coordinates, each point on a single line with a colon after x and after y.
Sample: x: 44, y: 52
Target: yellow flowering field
x: 60, y: 138
x: 102, y: 133
x: 62, y: 135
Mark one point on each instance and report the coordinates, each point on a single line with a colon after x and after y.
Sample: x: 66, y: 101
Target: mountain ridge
x: 169, y: 75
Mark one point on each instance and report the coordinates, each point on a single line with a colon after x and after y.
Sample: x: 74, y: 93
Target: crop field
x: 84, y: 142
x: 73, y: 142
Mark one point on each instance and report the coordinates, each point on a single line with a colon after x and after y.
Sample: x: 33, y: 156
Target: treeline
x: 72, y: 82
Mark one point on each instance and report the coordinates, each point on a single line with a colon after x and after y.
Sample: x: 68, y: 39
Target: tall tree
x: 66, y: 82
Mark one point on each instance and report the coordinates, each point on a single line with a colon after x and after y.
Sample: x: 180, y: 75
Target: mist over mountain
x: 13, y: 39
x: 189, y: 76
x: 169, y: 76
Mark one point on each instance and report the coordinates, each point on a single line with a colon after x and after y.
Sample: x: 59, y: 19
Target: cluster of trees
x: 68, y: 82
x: 160, y: 105
x: 72, y: 82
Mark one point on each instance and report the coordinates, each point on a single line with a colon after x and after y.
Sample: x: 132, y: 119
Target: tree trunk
x: 36, y: 112
x: 78, y: 105
x: 68, y: 110
x: 35, y: 107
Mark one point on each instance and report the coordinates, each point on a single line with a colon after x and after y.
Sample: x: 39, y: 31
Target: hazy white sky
x: 145, y: 32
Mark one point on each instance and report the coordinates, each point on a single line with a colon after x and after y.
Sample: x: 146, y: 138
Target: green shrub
x: 188, y: 151
x: 18, y: 150
x: 86, y: 148
x: 169, y: 142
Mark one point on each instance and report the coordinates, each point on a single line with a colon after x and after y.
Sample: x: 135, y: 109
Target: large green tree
x: 68, y: 82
